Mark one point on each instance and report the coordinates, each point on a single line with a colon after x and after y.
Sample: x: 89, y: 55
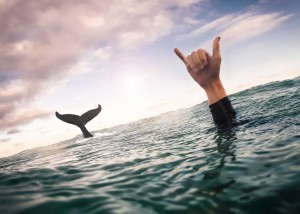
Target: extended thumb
x: 216, y: 47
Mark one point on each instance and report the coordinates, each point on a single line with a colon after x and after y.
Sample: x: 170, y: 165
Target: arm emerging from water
x: 205, y: 70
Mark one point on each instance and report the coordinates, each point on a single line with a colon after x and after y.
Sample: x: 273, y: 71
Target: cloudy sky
x: 69, y: 56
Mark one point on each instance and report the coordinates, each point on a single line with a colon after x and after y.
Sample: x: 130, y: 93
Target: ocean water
x: 177, y: 162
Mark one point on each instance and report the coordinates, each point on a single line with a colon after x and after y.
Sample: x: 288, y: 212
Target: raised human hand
x: 205, y: 70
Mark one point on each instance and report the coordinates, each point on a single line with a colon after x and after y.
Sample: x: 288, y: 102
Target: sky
x: 69, y: 56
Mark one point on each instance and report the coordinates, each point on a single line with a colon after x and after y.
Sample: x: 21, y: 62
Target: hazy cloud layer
x: 14, y: 131
x: 23, y: 117
x: 41, y: 40
x: 4, y: 140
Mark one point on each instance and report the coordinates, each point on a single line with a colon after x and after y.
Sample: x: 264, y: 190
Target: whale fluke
x: 80, y: 121
x: 89, y: 115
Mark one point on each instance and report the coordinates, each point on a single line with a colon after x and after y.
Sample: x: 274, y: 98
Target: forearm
x: 215, y: 91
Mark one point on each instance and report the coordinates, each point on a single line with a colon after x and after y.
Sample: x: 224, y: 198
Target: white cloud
x: 214, y: 25
x: 150, y: 29
x: 103, y: 53
x: 238, y: 27
x: 253, y: 26
x: 93, y: 22
x: 191, y: 21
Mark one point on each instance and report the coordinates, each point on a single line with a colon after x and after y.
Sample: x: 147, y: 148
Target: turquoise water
x: 177, y: 162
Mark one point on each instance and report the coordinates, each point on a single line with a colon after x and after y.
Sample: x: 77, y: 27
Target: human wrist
x: 215, y: 91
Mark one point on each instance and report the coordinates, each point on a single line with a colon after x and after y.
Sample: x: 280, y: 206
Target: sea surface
x: 177, y: 162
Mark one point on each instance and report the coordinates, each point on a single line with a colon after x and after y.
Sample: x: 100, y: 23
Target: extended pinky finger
x: 181, y: 56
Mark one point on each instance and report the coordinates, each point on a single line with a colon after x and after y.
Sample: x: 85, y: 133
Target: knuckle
x: 201, y: 50
x: 218, y: 57
x: 189, y: 58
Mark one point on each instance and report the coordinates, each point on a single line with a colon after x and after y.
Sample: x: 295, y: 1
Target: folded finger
x: 197, y: 62
x: 191, y: 63
x: 202, y: 56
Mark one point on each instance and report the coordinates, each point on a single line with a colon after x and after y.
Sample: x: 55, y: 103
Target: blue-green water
x: 177, y: 162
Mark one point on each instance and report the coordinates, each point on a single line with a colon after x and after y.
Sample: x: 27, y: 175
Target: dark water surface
x: 177, y: 162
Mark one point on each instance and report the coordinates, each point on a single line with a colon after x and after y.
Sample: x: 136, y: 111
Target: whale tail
x: 80, y: 121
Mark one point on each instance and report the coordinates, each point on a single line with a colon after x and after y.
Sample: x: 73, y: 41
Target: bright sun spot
x: 132, y: 81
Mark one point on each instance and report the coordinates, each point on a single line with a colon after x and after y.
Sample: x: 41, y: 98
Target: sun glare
x: 130, y: 74
x: 132, y: 81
